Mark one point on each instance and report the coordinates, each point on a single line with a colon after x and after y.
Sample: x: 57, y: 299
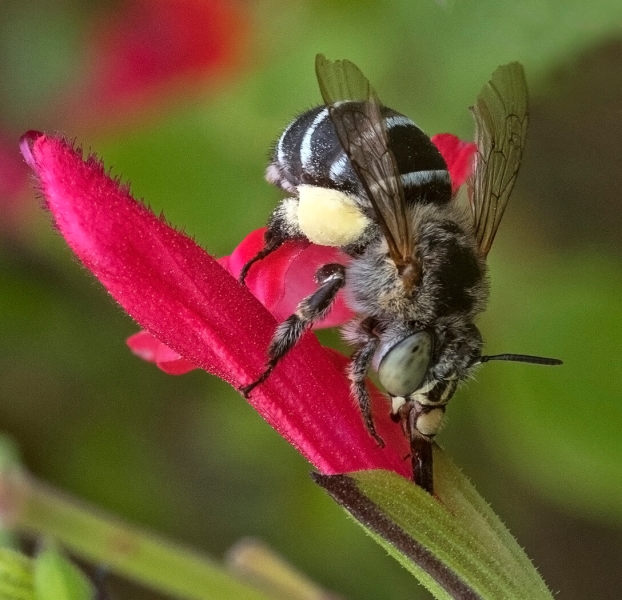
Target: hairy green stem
x: 30, y: 506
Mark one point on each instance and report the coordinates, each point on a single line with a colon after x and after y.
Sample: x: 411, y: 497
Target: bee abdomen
x: 309, y: 152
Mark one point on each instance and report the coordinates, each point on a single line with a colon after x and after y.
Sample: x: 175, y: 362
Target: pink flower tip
x: 26, y: 142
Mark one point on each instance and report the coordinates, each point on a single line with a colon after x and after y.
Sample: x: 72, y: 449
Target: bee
x: 365, y: 178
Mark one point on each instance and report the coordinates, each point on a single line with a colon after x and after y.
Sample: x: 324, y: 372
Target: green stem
x: 33, y: 507
x: 257, y: 562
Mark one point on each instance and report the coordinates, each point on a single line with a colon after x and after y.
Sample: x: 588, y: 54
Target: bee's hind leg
x: 312, y: 309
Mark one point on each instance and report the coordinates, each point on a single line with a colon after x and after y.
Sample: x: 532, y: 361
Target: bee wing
x: 364, y: 138
x: 500, y: 129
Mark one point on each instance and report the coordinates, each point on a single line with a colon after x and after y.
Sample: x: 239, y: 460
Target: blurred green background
x: 187, y: 456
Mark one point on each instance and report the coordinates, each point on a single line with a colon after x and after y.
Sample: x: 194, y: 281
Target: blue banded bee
x: 365, y: 178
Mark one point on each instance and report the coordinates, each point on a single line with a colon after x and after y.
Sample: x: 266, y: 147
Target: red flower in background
x: 150, y: 48
x: 457, y: 154
x: 190, y: 303
x: 132, y: 58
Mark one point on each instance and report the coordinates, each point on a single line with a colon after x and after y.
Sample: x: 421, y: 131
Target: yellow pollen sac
x: 429, y: 423
x: 328, y: 217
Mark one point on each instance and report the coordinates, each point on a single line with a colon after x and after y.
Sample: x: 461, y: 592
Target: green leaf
x: 454, y: 544
x: 15, y: 576
x: 56, y: 578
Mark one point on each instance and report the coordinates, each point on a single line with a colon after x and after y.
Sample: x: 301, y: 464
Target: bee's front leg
x: 282, y: 226
x: 361, y: 362
x: 313, y: 308
x: 269, y: 248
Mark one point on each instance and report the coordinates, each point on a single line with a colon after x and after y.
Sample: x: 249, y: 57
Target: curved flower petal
x: 458, y: 155
x: 185, y: 299
x: 282, y: 279
x: 279, y: 282
x: 145, y: 346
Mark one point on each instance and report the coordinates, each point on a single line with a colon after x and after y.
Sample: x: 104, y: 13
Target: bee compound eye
x: 403, y: 367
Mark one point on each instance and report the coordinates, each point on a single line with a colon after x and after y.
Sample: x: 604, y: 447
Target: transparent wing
x: 355, y: 111
x: 500, y: 129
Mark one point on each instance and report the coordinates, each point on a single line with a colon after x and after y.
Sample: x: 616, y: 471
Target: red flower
x: 279, y: 282
x: 149, y: 47
x: 186, y: 300
x: 135, y: 54
x: 458, y: 155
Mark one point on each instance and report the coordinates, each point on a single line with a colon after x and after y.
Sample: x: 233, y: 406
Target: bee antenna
x: 524, y: 358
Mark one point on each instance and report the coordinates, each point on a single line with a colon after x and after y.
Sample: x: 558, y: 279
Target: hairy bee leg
x: 312, y: 309
x: 361, y: 362
x: 269, y: 248
x: 282, y: 226
x: 421, y: 454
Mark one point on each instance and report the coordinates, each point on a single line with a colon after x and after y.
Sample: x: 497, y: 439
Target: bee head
x: 413, y: 359
x: 404, y: 366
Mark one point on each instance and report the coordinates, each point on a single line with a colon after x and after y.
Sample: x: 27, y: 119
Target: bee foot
x: 379, y: 440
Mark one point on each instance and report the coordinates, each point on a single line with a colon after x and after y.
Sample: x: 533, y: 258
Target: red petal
x: 458, y: 155
x: 183, y: 297
x: 144, y: 345
x: 285, y: 277
x: 279, y: 282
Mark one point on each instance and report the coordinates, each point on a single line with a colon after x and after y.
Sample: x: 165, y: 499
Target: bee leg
x: 361, y: 361
x: 282, y: 226
x: 271, y: 245
x: 421, y: 454
x: 312, y: 309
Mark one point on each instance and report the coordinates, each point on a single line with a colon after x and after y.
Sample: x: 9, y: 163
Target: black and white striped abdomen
x: 309, y: 152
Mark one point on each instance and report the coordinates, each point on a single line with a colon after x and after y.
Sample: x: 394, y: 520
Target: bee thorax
x: 410, y: 274
x: 448, y: 277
